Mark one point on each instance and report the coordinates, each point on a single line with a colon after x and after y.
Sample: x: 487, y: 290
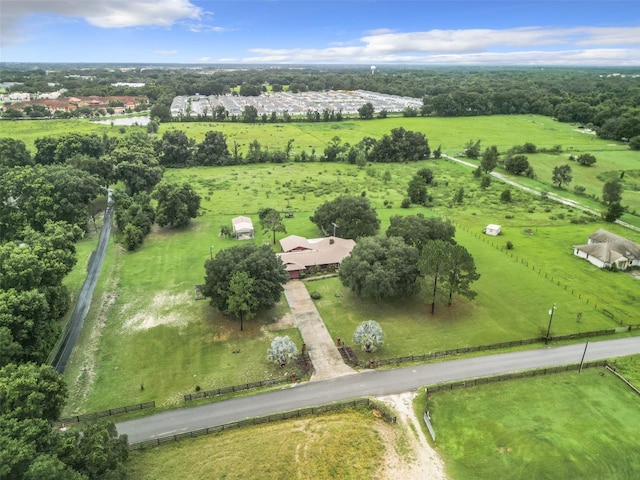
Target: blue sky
x: 507, y: 32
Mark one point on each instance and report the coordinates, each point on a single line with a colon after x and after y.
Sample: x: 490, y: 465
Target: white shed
x: 242, y: 228
x: 493, y: 230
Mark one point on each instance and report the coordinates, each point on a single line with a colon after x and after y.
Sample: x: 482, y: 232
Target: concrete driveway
x: 326, y: 359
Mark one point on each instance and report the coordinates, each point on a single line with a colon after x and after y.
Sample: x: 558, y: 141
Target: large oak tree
x: 352, y: 217
x: 381, y: 267
x: 262, y: 282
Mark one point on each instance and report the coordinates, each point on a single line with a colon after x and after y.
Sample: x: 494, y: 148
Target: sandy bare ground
x: 409, y: 455
x: 162, y: 310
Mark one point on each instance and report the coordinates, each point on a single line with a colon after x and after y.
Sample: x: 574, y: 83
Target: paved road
x: 370, y: 383
x: 76, y: 322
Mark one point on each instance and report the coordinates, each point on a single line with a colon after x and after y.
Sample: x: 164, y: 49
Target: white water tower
x: 373, y: 69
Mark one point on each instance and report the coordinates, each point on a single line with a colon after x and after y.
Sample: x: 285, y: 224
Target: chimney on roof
x: 331, y: 241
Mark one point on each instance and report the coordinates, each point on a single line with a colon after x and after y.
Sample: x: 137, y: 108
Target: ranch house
x: 604, y: 249
x: 313, y: 255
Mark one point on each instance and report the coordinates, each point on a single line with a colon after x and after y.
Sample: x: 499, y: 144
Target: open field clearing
x: 451, y: 134
x: 156, y: 334
x: 566, y: 425
x: 352, y: 444
x: 146, y: 328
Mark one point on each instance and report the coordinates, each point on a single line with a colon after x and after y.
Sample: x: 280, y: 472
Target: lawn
x: 145, y: 327
x: 343, y: 445
x: 154, y: 333
x: 501, y: 312
x: 149, y: 330
x: 565, y: 425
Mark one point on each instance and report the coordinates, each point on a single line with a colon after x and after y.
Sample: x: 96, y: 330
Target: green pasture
x: 149, y: 330
x: 451, y: 134
x: 512, y: 303
x: 30, y: 130
x: 344, y: 445
x: 566, y: 425
x: 154, y: 333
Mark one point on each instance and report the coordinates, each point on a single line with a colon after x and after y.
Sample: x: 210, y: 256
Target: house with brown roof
x: 313, y: 255
x: 605, y: 249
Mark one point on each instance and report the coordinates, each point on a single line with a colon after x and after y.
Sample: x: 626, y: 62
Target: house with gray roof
x: 605, y: 249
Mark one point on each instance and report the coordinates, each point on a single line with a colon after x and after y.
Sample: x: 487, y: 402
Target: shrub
x: 509, y: 245
x: 505, y: 196
x: 406, y: 202
x: 586, y: 159
x: 316, y: 295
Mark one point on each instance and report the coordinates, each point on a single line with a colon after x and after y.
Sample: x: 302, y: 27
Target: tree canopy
x: 381, y: 267
x: 271, y: 221
x: 264, y: 269
x: 354, y: 217
x: 561, y: 175
x: 30, y: 397
x: 450, y: 268
x: 177, y: 204
x: 417, y: 230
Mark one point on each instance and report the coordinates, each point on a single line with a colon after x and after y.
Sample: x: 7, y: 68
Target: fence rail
x: 258, y: 420
x: 439, y: 387
x: 251, y: 385
x: 104, y: 413
x: 629, y: 384
x: 493, y: 346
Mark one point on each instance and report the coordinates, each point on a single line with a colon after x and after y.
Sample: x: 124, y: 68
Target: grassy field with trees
x: 452, y: 134
x: 158, y: 279
x: 148, y: 318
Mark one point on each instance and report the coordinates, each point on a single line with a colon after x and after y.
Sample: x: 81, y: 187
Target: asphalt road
x: 369, y: 383
x: 76, y: 322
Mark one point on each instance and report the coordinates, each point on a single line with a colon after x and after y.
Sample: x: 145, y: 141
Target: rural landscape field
x: 379, y: 240
x: 146, y: 329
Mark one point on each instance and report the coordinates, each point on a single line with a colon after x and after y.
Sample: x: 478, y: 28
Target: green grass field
x: 451, y: 134
x: 343, y: 445
x: 567, y: 425
x: 151, y: 330
x: 155, y: 333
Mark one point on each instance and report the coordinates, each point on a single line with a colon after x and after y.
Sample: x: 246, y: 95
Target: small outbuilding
x: 243, y: 228
x: 493, y: 230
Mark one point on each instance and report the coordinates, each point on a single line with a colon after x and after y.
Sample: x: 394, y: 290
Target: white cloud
x: 523, y: 45
x: 100, y: 13
x: 165, y: 52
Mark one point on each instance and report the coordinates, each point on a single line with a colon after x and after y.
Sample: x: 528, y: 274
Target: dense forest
x: 605, y: 99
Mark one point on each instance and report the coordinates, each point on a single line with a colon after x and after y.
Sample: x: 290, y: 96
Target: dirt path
x: 409, y: 455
